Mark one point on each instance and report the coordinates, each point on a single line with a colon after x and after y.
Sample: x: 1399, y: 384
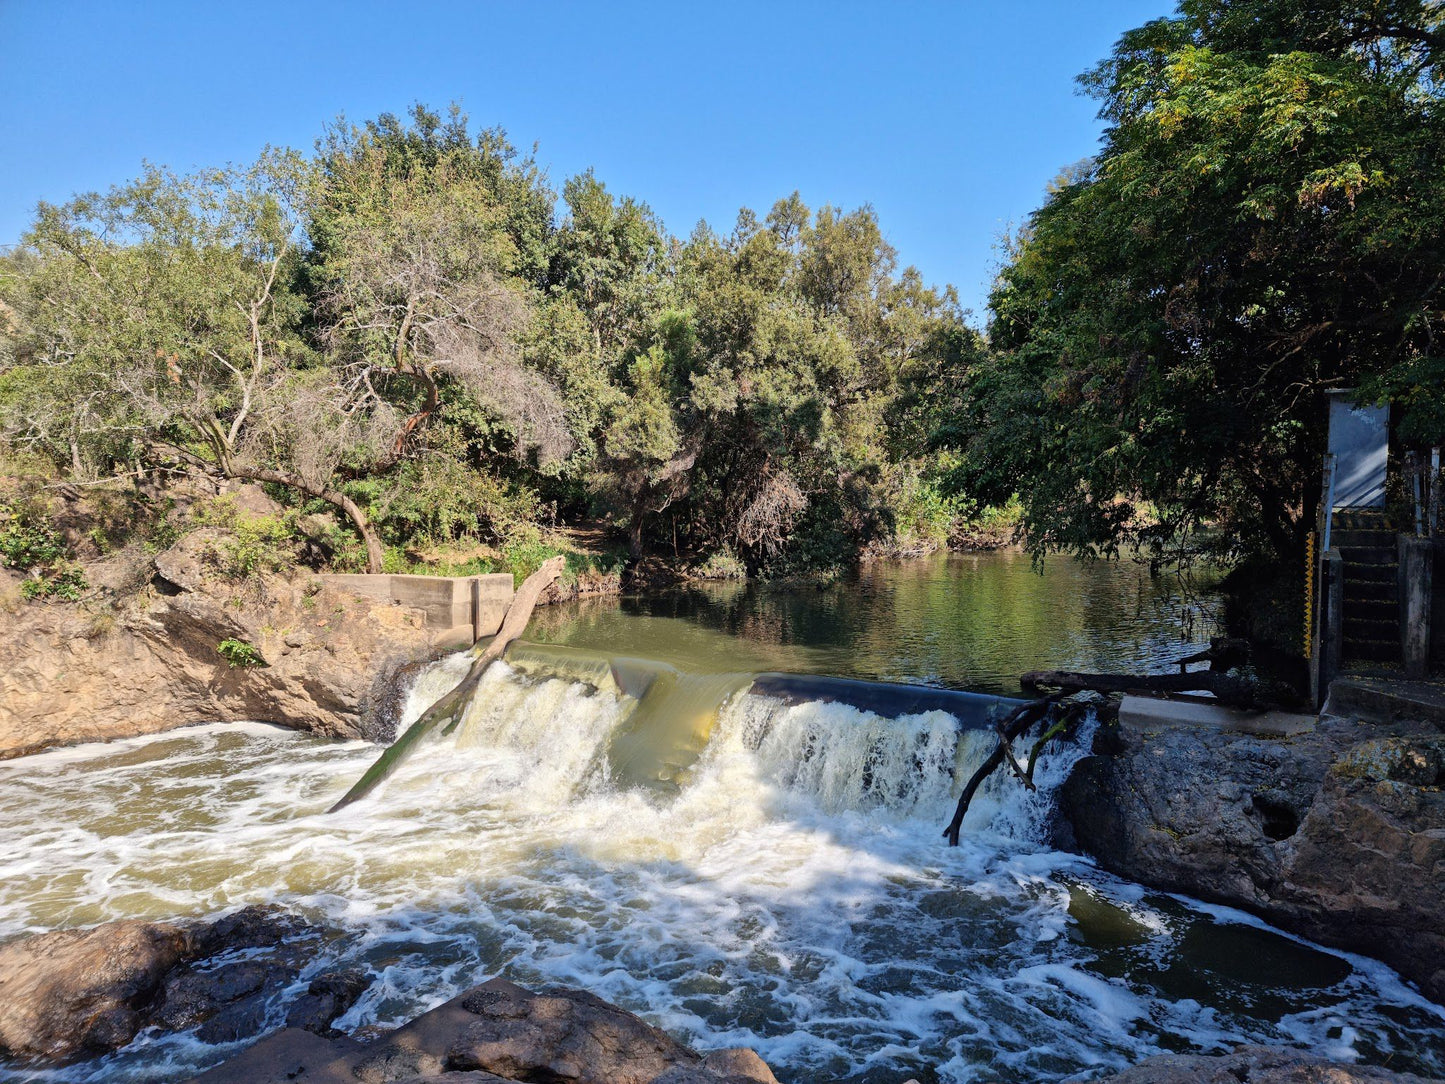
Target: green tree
x: 1263, y: 224
x: 166, y: 311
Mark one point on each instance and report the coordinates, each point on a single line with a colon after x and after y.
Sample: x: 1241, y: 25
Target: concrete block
x: 1417, y: 560
x: 459, y: 609
x: 1148, y: 713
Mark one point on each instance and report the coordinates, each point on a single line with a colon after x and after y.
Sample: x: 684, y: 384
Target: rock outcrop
x: 499, y: 1032
x: 77, y: 993
x: 1337, y: 834
x: 1256, y: 1065
x: 324, y: 661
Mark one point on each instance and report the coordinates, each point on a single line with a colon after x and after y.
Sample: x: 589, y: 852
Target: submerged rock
x: 1256, y: 1065
x: 499, y: 1032
x: 74, y: 993
x: 1337, y: 834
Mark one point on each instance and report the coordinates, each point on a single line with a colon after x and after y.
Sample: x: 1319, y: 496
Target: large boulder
x: 1256, y: 1065
x: 326, y: 661
x: 500, y: 1032
x: 73, y: 993
x: 1337, y: 834
x: 564, y: 1036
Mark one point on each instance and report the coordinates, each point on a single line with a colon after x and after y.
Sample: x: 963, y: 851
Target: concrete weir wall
x: 462, y: 609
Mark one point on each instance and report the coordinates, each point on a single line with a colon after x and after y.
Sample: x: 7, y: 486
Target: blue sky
x: 949, y: 118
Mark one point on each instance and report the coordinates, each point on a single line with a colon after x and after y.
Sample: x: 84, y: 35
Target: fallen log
x: 1014, y: 724
x: 1230, y: 690
x: 448, y: 712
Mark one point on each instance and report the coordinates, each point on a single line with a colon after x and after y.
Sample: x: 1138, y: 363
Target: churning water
x: 787, y: 889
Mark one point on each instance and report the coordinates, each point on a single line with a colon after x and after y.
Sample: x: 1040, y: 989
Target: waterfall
x: 581, y: 723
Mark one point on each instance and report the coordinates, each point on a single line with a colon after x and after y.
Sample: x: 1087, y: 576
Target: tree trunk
x: 1234, y: 692
x: 333, y: 497
x: 448, y: 712
x: 634, y: 532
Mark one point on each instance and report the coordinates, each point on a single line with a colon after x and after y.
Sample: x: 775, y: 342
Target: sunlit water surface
x: 790, y: 891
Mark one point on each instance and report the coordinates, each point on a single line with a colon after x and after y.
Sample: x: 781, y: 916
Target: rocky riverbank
x: 1337, y: 834
x: 80, y: 993
x: 74, y: 994
x: 319, y: 659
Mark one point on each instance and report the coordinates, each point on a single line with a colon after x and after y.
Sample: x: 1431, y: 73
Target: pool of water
x: 788, y: 890
x: 963, y: 621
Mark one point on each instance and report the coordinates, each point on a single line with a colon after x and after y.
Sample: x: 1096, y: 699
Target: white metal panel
x: 1360, y: 443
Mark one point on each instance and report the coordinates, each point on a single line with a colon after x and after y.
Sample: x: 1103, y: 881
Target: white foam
x: 794, y: 894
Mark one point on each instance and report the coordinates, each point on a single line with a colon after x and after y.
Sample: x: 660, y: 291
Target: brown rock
x: 1338, y: 834
x: 1256, y: 1065
x: 290, y: 1056
x: 251, y: 499
x: 331, y: 658
x: 498, y: 1032
x: 73, y: 992
x: 737, y: 1065
x: 560, y: 1035
x: 741, y: 1062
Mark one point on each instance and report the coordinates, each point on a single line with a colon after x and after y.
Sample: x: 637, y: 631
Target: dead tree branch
x: 448, y: 712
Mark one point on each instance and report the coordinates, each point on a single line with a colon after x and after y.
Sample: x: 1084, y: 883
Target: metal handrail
x: 1327, y: 512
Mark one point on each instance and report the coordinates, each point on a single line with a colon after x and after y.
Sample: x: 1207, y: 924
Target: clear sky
x: 950, y: 118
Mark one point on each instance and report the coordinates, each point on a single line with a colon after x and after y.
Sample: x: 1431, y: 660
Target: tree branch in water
x: 448, y: 712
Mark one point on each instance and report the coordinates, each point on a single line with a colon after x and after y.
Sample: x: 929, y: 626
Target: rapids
x: 742, y: 869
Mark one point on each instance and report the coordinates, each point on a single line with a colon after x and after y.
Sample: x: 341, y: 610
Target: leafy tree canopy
x: 1264, y: 223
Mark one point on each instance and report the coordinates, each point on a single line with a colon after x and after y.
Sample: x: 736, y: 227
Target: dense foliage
x: 1265, y: 222
x: 414, y: 329
x: 411, y: 328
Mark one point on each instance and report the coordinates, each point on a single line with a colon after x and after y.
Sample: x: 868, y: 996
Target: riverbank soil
x: 1337, y: 834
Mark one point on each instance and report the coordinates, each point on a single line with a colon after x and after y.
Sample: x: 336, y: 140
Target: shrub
x: 29, y: 543
x: 922, y: 514
x: 440, y: 500
x: 239, y: 654
x: 250, y: 543
x: 722, y: 565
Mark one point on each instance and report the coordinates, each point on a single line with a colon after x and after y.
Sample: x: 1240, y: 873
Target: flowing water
x: 743, y: 869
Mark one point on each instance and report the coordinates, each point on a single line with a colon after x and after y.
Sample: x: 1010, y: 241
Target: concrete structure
x: 1147, y: 713
x: 1437, y: 607
x: 1417, y: 560
x: 462, y: 609
x: 1329, y: 625
x: 1360, y: 442
x: 1384, y: 699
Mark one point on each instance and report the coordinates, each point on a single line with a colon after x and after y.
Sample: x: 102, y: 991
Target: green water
x: 962, y: 621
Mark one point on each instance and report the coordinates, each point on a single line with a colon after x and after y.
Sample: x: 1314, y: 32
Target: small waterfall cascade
x: 590, y: 722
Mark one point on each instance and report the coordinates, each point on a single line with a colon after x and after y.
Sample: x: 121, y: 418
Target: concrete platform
x: 1386, y: 698
x: 462, y: 609
x: 1147, y: 713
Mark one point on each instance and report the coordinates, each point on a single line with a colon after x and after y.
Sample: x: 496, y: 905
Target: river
x: 782, y: 884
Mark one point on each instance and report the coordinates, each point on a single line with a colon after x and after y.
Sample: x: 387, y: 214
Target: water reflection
x: 965, y: 621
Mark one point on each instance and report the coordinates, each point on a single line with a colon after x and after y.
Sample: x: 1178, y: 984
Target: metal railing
x: 1423, y: 477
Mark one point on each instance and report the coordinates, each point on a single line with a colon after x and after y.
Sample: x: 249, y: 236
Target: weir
x: 667, y: 715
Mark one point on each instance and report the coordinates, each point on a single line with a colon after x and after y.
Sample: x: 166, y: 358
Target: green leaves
x: 1263, y: 224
